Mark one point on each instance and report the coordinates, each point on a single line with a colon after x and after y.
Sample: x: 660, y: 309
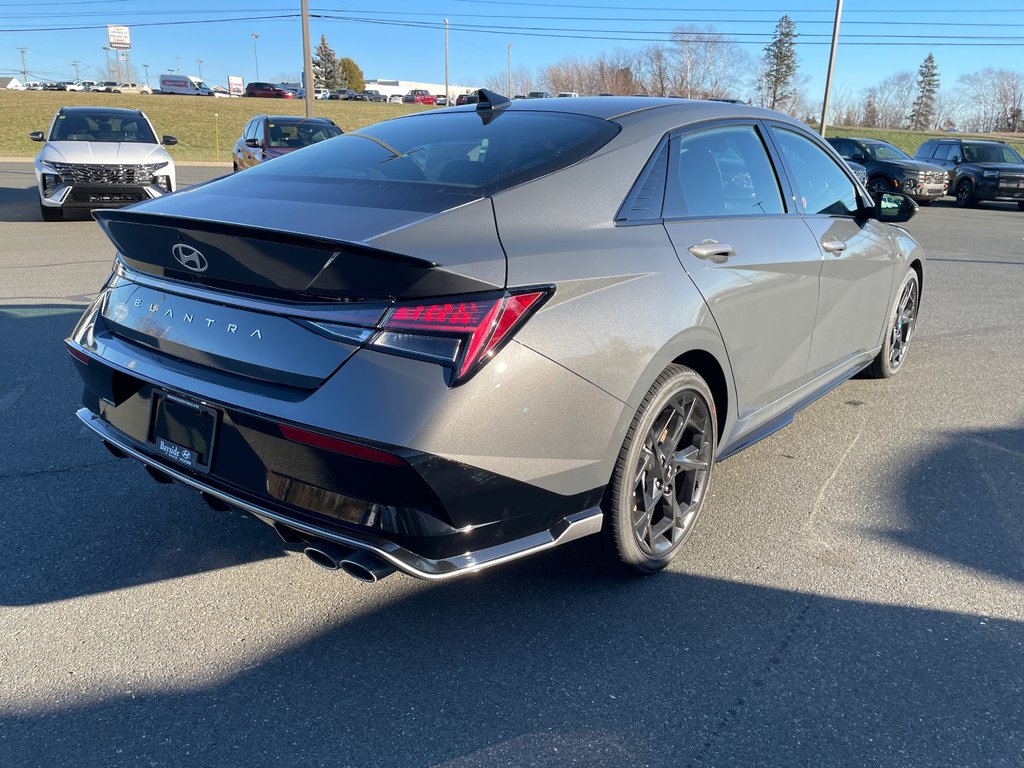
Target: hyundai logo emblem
x: 189, y: 257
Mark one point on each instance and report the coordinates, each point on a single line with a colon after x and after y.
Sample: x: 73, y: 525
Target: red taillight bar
x: 337, y: 445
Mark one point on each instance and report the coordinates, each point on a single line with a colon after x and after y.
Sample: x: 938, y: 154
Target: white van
x: 186, y: 85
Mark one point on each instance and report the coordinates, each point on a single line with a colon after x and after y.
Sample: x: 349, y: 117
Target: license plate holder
x: 183, y: 431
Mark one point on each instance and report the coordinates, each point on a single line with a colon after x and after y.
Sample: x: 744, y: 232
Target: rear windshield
x: 101, y: 127
x: 299, y: 134
x: 435, y: 161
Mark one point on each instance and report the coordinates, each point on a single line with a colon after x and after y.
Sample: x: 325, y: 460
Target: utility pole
x: 24, y: 67
x: 831, y: 63
x: 146, y: 67
x: 510, y: 70
x: 307, y: 60
x: 255, y: 54
x: 447, y: 97
x: 199, y: 63
x: 177, y: 66
x: 76, y: 64
x: 106, y: 56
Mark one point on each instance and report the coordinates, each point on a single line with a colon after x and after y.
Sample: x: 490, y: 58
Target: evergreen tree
x: 351, y: 75
x: 326, y: 67
x: 778, y: 83
x: 923, y: 111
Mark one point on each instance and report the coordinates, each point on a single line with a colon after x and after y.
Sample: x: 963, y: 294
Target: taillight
x: 461, y: 332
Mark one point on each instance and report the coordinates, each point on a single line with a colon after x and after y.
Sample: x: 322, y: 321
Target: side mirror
x: 169, y: 140
x: 36, y: 136
x: 894, y: 207
x: 858, y: 158
x: 254, y: 143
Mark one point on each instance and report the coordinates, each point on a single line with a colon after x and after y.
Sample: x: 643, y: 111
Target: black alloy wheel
x: 965, y: 195
x: 900, y: 329
x: 661, y: 477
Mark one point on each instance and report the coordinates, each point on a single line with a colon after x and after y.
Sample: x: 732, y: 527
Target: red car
x: 268, y: 91
x: 419, y: 96
x: 268, y: 136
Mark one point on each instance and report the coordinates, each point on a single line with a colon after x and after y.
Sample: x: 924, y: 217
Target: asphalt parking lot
x: 854, y: 595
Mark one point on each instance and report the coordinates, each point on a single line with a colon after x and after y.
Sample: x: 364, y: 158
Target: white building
x: 11, y: 84
x: 402, y: 87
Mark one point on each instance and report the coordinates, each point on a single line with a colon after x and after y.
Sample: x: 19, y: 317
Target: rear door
x: 755, y: 263
x: 858, y: 258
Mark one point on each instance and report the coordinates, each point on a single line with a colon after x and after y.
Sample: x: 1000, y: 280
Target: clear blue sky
x: 404, y: 39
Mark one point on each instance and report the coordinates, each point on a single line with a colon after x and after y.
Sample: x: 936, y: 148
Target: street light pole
x: 146, y: 67
x: 199, y: 63
x: 831, y: 63
x: 307, y: 60
x: 76, y: 64
x: 447, y: 97
x: 106, y: 56
x: 510, y: 70
x: 255, y: 54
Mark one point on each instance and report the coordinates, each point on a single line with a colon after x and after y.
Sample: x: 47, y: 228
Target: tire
x: 51, y: 214
x: 1020, y: 205
x: 900, y: 325
x: 878, y: 184
x: 925, y: 203
x: 234, y: 167
x: 965, y: 195
x: 642, y: 534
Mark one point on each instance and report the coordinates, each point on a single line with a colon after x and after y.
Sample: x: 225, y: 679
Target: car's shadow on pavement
x: 76, y: 520
x: 540, y: 664
x: 18, y: 205
x: 544, y: 662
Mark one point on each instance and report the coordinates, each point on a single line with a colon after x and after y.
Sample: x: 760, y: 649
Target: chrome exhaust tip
x: 366, y: 567
x: 326, y: 554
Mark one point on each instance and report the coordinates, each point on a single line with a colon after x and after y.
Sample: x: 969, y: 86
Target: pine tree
x: 326, y: 68
x: 351, y: 75
x: 778, y: 84
x: 923, y: 111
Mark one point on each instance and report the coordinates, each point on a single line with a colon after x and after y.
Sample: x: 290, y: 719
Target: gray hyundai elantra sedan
x: 459, y: 337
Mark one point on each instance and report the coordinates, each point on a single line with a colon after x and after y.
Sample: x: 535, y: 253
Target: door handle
x: 835, y: 247
x: 712, y: 249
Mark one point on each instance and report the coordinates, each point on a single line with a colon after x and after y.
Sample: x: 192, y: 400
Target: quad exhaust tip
x: 357, y: 563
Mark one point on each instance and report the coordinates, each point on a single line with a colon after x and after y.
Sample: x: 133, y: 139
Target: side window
x: 821, y: 185
x: 644, y: 202
x: 942, y: 151
x: 260, y: 133
x: 844, y: 148
x: 250, y: 130
x: 721, y: 171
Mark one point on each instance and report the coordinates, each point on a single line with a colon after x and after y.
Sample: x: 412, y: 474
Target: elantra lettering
x: 190, y: 318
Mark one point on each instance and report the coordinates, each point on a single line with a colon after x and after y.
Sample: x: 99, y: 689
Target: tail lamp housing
x: 461, y: 333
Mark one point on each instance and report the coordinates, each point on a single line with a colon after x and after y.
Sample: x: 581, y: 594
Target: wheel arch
x: 708, y: 368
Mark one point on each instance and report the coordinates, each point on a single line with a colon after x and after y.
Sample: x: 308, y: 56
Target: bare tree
x: 892, y: 99
x: 522, y: 81
x: 708, y: 65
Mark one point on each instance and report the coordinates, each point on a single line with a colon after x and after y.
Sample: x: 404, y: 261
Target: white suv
x: 100, y: 157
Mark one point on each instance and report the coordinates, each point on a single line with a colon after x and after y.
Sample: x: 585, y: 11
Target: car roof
x: 112, y: 111
x: 299, y: 119
x: 618, y: 107
x: 997, y: 142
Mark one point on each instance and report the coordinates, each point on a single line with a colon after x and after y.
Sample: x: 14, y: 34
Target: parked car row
x: 972, y: 170
x: 90, y: 86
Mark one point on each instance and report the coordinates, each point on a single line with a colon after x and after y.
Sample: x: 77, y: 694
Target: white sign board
x: 119, y: 37
x: 235, y: 87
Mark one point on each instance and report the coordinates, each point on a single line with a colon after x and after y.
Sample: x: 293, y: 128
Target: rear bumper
x: 568, y: 528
